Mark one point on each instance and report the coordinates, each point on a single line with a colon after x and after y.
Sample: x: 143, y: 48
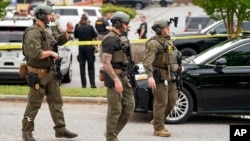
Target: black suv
x: 137, y: 4
x: 191, y: 43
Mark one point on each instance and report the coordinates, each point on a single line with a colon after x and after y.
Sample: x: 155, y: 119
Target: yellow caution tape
x: 76, y: 43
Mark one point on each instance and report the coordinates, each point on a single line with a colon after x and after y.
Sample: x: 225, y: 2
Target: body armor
x: 46, y: 44
x: 120, y: 55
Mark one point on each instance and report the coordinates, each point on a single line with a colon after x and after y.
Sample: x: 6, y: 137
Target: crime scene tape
x: 70, y: 43
x: 76, y: 43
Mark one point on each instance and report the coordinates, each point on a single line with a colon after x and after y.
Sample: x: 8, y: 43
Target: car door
x: 216, y: 35
x: 229, y: 90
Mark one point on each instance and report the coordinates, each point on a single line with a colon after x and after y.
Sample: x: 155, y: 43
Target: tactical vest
x: 46, y: 44
x: 167, y: 58
x: 119, y: 56
x: 100, y: 26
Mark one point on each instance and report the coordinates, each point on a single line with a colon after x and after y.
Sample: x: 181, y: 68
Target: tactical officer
x: 38, y: 45
x: 160, y: 63
x: 119, y: 91
x: 86, y: 32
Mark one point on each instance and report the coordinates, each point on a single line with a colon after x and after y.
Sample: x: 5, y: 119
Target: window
x: 90, y: 12
x: 66, y: 12
x: 10, y: 38
x: 239, y: 56
x: 221, y: 29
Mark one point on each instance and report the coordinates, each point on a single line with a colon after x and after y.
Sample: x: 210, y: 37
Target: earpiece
x: 41, y: 15
x: 117, y: 23
x: 157, y: 29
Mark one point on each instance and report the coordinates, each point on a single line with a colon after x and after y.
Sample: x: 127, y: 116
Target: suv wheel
x: 188, y: 52
x: 163, y: 3
x: 138, y: 5
x: 183, y: 108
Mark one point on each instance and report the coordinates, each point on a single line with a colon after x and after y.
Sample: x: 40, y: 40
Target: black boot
x: 27, y: 136
x: 66, y: 134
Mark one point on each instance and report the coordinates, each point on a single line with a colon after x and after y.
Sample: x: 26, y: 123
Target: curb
x: 23, y: 98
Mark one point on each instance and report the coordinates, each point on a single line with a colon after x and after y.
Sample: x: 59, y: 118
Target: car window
x: 9, y: 37
x: 66, y: 12
x: 238, y: 57
x: 194, y: 22
x: 221, y: 29
x: 90, y: 12
x: 246, y: 25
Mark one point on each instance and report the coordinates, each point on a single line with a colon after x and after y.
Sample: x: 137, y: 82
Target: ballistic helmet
x: 162, y: 23
x: 42, y: 10
x: 159, y: 25
x: 121, y: 17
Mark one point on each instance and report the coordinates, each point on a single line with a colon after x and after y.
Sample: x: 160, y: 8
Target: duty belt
x: 37, y: 70
x: 118, y: 71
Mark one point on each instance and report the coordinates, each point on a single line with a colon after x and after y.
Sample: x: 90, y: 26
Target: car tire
x: 68, y: 76
x: 163, y: 3
x: 138, y: 5
x: 182, y: 109
x: 188, y: 52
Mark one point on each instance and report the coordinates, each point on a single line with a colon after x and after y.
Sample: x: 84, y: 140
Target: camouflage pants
x: 53, y: 98
x: 120, y: 109
x: 164, y: 101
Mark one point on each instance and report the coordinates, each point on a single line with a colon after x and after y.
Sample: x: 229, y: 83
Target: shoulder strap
x: 163, y: 44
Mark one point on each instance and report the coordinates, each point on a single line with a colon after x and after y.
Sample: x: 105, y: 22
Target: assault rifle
x: 57, y: 66
x: 132, y: 68
x: 178, y: 75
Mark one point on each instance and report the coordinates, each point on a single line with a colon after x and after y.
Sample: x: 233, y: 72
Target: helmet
x: 42, y: 10
x: 120, y: 16
x: 159, y: 25
x: 161, y: 22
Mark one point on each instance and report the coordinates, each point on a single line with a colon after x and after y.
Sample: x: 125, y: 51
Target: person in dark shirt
x: 85, y: 32
x: 142, y: 30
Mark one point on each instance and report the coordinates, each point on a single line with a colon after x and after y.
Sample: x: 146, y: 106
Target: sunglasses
x: 126, y: 23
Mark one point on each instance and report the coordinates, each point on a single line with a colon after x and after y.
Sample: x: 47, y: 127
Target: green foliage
x: 109, y: 8
x: 227, y: 10
x: 3, y: 5
x: 73, y: 92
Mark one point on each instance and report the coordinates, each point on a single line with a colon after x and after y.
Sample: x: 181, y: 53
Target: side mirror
x: 212, y: 31
x: 220, y: 64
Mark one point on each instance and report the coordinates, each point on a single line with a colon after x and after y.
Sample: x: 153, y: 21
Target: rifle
x: 178, y: 74
x: 132, y: 69
x: 57, y: 66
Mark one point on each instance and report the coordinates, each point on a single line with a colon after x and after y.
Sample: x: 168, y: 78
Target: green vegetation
x: 3, y: 5
x: 109, y: 8
x: 73, y: 92
x: 227, y: 10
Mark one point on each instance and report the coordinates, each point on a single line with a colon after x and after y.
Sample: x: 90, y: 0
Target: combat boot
x: 27, y: 136
x: 162, y: 133
x: 65, y: 134
x: 152, y: 122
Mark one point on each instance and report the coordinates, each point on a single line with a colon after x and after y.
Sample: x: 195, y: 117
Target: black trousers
x: 87, y: 54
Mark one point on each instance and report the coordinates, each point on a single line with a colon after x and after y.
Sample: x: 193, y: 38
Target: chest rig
x: 122, y: 53
x: 166, y: 57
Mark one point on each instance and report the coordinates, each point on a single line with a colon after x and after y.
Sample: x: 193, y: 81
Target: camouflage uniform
x: 41, y: 73
x: 165, y: 94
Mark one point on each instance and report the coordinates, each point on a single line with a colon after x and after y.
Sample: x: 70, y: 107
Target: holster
x: 22, y: 70
x: 157, y: 76
x: 102, y: 74
x: 108, y: 82
x: 33, y: 80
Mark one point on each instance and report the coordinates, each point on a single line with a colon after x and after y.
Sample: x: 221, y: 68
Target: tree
x: 3, y: 5
x: 228, y: 11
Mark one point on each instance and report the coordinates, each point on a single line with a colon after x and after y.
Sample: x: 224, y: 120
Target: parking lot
x: 89, y: 120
